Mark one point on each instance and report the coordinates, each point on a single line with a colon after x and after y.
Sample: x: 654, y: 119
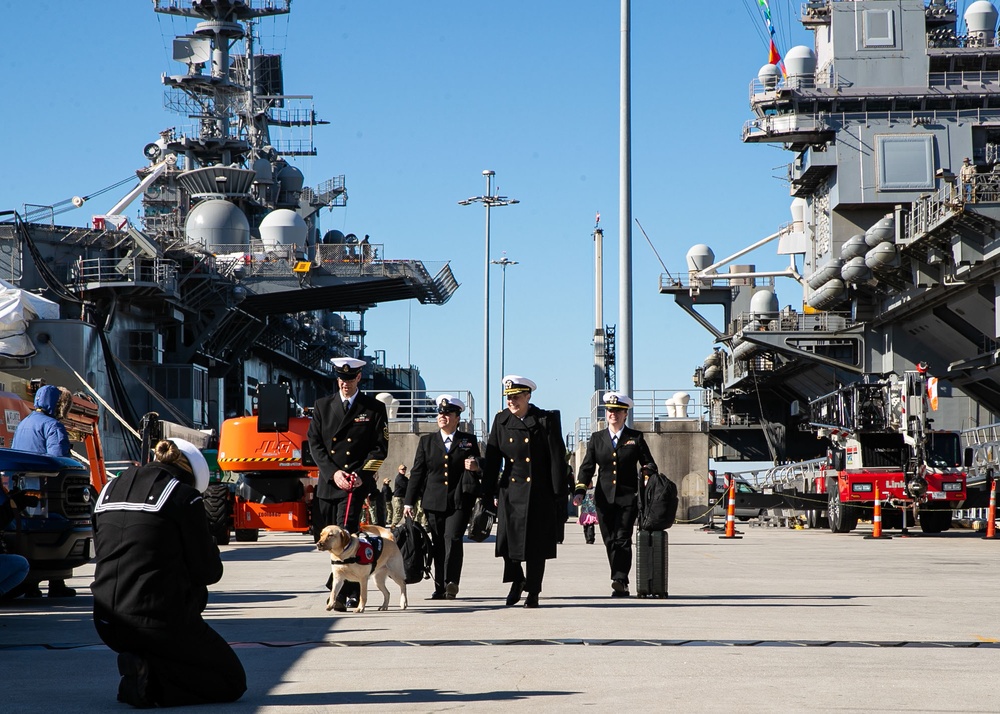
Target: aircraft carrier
x: 891, y: 257
x: 227, y: 279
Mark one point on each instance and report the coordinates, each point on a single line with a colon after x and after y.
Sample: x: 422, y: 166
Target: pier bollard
x: 877, y: 519
x: 991, y: 514
x: 731, y: 512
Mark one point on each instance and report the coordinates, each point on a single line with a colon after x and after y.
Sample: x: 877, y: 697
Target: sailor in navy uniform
x: 530, y: 490
x: 445, y: 475
x: 616, y: 453
x: 348, y: 439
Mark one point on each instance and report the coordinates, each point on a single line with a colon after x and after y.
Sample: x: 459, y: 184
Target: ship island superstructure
x: 892, y: 246
x: 227, y: 280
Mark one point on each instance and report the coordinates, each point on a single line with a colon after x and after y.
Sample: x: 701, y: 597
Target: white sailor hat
x: 515, y: 384
x: 199, y: 466
x: 448, y: 404
x: 617, y: 400
x: 347, y: 367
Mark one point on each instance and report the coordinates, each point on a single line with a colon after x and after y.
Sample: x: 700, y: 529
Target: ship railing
x: 930, y: 211
x: 580, y: 434
x: 824, y: 78
x: 652, y: 406
x: 419, y: 406
x: 779, y: 125
x: 788, y: 321
x: 783, y: 124
x: 349, y: 259
x: 685, y: 279
x: 963, y: 79
x: 151, y: 272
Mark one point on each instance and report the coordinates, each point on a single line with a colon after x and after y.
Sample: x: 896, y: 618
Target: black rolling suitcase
x: 657, y: 511
x: 650, y: 563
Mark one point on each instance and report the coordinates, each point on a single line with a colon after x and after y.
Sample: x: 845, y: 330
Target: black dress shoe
x: 451, y: 590
x: 620, y: 593
x: 531, y: 600
x: 58, y: 588
x: 437, y: 595
x: 514, y: 596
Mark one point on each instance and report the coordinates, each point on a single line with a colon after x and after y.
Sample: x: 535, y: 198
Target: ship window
x: 879, y: 28
x: 143, y: 346
x: 905, y: 162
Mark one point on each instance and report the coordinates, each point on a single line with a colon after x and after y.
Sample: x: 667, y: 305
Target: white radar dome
x: 981, y: 17
x: 216, y: 223
x: 763, y: 301
x: 283, y: 227
x: 800, y: 61
x: 769, y: 75
x: 700, y: 257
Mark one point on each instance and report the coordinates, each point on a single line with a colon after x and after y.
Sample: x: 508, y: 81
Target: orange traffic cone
x: 731, y: 512
x: 877, y: 519
x: 991, y: 515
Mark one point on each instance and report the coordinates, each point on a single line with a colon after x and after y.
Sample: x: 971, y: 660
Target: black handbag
x: 481, y: 522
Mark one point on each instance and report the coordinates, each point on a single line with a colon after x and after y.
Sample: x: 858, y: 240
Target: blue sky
x: 421, y: 98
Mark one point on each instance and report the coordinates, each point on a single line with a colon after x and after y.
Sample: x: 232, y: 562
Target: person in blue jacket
x: 41, y: 432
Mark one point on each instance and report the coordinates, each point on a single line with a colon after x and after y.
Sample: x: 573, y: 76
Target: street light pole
x: 489, y: 200
x: 503, y: 263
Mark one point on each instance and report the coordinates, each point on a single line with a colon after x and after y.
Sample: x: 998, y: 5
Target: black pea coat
x: 617, y: 469
x: 155, y: 554
x: 440, y: 477
x: 531, y: 489
x: 356, y: 442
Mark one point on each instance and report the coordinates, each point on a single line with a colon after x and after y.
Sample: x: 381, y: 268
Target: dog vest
x: 369, y: 550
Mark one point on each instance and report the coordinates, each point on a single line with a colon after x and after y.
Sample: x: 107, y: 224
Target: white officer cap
x: 617, y: 400
x: 515, y: 384
x: 347, y: 367
x: 447, y: 403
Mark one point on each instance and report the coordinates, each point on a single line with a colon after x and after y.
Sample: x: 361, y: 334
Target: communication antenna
x: 671, y: 277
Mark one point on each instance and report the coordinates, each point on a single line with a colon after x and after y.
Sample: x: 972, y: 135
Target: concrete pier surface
x: 779, y: 620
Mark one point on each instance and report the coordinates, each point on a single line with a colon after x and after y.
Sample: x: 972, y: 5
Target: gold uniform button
x: 446, y: 483
x: 446, y: 457
x: 527, y: 460
x: 348, y: 438
x: 511, y: 439
x: 347, y: 453
x: 335, y: 440
x: 525, y: 440
x: 613, y: 482
x: 528, y: 480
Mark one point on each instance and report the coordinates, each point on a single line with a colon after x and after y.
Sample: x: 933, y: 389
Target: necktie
x: 614, y: 441
x: 447, y: 443
x: 346, y: 405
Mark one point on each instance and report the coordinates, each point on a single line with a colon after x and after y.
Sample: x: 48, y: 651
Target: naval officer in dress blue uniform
x: 445, y: 475
x: 530, y: 490
x: 348, y: 439
x: 616, y: 453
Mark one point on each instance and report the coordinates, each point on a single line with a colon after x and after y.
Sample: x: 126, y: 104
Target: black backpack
x: 657, y: 503
x: 415, y: 546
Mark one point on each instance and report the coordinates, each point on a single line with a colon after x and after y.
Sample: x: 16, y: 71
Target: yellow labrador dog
x: 347, y: 560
